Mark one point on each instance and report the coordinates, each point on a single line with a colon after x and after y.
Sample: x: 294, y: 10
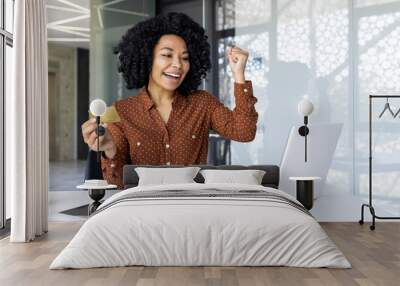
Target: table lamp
x: 94, y: 174
x: 305, y: 108
x: 94, y: 181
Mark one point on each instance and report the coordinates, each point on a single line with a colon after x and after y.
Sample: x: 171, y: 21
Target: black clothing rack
x: 370, y: 205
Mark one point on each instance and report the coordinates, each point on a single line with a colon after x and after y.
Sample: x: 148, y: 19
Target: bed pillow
x: 249, y: 177
x: 163, y: 176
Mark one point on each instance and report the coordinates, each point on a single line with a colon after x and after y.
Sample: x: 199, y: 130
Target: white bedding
x: 200, y: 231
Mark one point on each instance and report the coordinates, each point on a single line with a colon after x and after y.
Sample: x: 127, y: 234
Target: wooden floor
x: 374, y: 255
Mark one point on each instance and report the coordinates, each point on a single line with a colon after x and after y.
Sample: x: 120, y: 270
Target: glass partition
x: 337, y: 52
x: 109, y: 21
x: 296, y: 48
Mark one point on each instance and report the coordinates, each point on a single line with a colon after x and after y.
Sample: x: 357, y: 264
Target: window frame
x: 6, y: 39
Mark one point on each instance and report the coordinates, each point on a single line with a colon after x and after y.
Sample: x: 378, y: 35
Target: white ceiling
x: 68, y: 22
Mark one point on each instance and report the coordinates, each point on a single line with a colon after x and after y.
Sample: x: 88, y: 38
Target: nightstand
x: 305, y: 190
x: 96, y: 193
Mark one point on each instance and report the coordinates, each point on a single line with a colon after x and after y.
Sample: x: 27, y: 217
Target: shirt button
x: 167, y: 146
x: 194, y: 136
x: 138, y: 143
x: 245, y: 90
x: 168, y: 163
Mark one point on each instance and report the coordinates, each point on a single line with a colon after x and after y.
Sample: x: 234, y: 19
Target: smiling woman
x: 168, y: 122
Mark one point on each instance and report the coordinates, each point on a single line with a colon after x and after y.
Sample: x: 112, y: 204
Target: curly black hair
x: 136, y: 50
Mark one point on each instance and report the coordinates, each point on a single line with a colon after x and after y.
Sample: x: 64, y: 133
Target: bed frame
x: 270, y: 179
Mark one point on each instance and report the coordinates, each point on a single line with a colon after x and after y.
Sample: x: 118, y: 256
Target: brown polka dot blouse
x: 142, y: 137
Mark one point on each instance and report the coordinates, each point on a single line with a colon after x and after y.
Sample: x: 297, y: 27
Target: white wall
x: 338, y: 52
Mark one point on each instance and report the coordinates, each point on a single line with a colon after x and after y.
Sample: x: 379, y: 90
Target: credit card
x: 111, y: 115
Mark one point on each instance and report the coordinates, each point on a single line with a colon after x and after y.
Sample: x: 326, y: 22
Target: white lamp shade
x: 305, y: 107
x: 98, y: 107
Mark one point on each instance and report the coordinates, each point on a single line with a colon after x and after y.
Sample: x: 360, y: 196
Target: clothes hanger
x: 387, y: 107
x: 397, y: 113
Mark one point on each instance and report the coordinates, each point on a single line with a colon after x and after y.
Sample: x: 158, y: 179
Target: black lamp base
x: 95, y: 195
x: 94, y: 172
x: 93, y: 168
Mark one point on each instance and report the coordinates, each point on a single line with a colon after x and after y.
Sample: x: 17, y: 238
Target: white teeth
x: 172, y: 74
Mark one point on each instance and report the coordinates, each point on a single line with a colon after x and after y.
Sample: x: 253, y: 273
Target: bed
x: 197, y: 224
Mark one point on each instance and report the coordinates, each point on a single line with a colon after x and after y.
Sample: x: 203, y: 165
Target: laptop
x: 321, y: 145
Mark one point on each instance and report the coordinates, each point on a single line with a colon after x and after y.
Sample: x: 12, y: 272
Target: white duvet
x: 200, y: 231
